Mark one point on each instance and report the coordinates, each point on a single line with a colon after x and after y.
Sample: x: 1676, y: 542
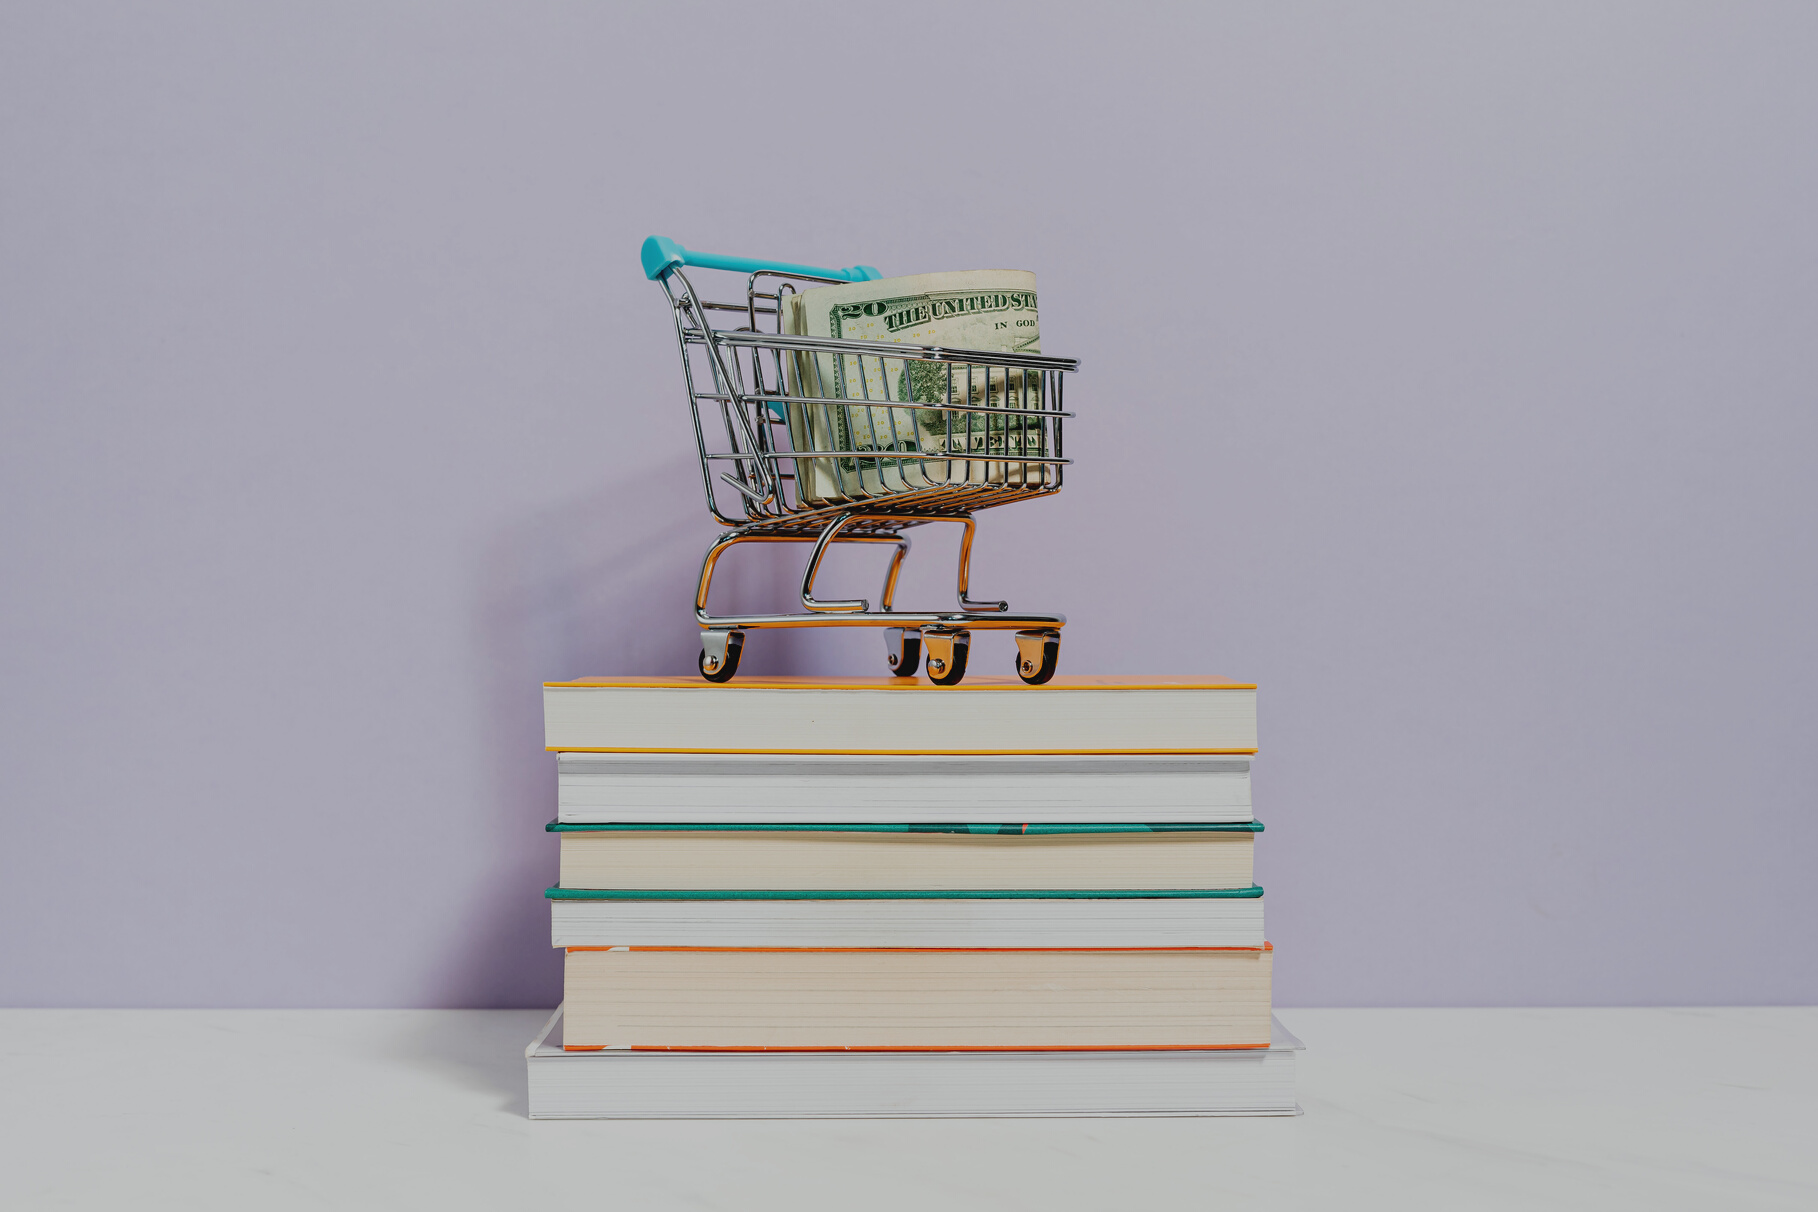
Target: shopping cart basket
x: 823, y: 441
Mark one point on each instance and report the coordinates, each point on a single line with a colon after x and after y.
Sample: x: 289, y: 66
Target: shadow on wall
x: 597, y: 584
x: 601, y: 584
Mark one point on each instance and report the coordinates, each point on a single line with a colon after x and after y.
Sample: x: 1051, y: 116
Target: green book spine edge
x: 887, y: 894
x: 1032, y: 830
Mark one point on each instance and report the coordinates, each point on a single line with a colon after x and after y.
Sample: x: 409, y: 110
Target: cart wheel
x: 1037, y: 655
x: 719, y: 658
x: 903, y: 650
x: 946, y: 655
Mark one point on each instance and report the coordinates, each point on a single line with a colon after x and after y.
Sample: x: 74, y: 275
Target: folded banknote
x: 992, y: 310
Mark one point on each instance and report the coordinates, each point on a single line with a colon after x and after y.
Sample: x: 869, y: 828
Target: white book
x: 931, y: 921
x: 627, y: 1084
x: 901, y: 715
x: 600, y: 788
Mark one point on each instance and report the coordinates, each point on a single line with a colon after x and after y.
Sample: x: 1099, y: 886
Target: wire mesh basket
x: 825, y: 440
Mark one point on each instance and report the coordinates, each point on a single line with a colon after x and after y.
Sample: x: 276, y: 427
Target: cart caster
x: 946, y: 654
x: 719, y: 658
x: 1037, y: 655
x: 903, y: 650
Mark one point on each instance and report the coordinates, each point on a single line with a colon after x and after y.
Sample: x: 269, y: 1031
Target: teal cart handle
x: 662, y: 256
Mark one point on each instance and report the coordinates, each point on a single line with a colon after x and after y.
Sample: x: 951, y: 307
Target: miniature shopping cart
x: 823, y: 440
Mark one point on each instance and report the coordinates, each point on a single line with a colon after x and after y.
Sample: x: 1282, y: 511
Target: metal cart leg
x: 715, y: 550
x: 809, y: 602
x: 965, y: 571
x: 888, y: 598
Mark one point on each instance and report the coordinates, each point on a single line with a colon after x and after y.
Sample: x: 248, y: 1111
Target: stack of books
x: 879, y: 897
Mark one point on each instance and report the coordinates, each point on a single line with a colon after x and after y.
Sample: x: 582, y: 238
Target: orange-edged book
x: 901, y: 716
x: 792, y: 999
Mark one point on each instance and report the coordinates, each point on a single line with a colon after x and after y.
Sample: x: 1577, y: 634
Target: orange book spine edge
x: 997, y: 950
x: 933, y: 1048
x: 1088, y: 682
x: 923, y: 752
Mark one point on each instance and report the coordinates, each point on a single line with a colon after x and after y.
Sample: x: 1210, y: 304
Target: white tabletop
x: 1455, y: 1109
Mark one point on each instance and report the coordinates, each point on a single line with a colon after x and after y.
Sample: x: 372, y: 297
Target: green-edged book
x: 898, y: 885
x: 1041, y: 860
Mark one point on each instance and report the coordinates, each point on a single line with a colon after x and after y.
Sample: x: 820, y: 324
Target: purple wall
x: 1449, y: 372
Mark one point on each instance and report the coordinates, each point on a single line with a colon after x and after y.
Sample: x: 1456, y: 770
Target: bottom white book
x: 631, y: 1084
